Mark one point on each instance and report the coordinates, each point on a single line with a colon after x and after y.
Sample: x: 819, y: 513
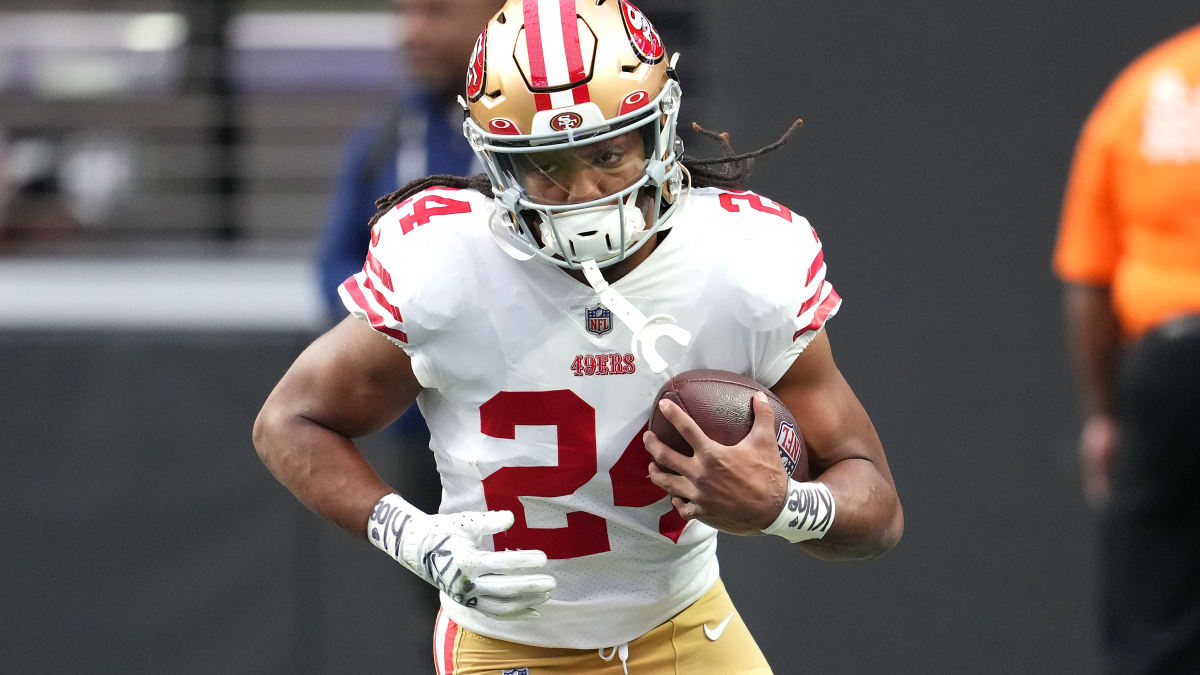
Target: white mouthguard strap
x: 646, y: 330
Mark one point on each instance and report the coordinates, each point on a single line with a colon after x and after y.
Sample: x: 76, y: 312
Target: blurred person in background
x: 33, y: 200
x: 1129, y: 253
x: 5, y: 187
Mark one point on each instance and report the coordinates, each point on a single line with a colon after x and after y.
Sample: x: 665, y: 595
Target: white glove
x: 444, y: 550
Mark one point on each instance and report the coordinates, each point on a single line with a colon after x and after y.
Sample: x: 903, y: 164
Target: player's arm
x: 850, y: 510
x: 845, y: 455
x: 351, y: 381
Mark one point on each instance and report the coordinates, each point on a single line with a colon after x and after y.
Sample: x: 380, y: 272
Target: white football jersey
x: 536, y: 403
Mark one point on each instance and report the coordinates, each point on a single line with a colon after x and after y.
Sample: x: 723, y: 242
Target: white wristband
x: 807, y: 512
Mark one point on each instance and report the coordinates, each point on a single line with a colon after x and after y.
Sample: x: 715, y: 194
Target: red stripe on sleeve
x: 823, y: 313
x: 448, y: 648
x: 815, y: 266
x: 382, y: 300
x: 356, y: 294
x: 827, y: 308
x: 813, y: 300
x: 380, y: 271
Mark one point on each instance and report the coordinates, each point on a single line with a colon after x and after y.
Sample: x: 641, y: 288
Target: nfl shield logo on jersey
x: 598, y: 319
x: 516, y: 671
x: 789, y: 446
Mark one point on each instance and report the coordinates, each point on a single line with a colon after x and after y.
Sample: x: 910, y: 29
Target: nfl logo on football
x: 516, y: 671
x: 598, y: 319
x: 789, y: 446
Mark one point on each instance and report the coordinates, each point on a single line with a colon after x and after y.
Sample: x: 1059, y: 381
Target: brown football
x: 719, y: 402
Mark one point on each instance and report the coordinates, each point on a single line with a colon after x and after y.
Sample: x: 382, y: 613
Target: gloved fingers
x: 507, y: 607
x: 522, y: 615
x: 476, y: 524
x: 513, y: 586
x: 503, y: 562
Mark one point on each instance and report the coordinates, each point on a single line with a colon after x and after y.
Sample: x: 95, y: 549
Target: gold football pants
x: 707, y: 638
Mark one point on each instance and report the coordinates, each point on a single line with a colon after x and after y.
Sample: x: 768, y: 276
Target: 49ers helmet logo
x: 642, y: 36
x: 564, y: 121
x: 477, y: 70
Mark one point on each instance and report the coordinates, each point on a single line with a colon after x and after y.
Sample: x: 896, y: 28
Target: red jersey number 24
x: 575, y: 420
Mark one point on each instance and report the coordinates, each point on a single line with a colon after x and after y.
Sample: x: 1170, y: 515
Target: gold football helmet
x: 572, y: 107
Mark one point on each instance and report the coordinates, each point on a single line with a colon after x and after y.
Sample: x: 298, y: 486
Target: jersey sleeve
x: 777, y: 265
x: 411, y: 287
x: 812, y: 302
x: 370, y: 294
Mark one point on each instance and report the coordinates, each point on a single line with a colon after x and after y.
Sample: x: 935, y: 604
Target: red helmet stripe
x: 575, y: 67
x: 555, y: 53
x: 570, y: 31
x: 533, y: 42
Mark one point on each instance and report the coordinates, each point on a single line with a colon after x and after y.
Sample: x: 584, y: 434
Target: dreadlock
x: 730, y: 171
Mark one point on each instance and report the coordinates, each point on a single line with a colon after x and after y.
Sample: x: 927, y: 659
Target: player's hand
x: 1097, y: 445
x: 444, y: 551
x: 739, y: 489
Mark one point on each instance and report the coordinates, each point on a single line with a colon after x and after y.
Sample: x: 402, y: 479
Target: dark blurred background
x: 165, y: 168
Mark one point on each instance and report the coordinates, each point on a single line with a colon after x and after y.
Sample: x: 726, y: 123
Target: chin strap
x: 646, y: 330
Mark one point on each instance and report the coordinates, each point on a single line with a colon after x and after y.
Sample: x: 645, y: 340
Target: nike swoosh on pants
x: 714, y: 633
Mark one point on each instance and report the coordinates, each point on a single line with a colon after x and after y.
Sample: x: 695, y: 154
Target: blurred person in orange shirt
x: 1129, y: 253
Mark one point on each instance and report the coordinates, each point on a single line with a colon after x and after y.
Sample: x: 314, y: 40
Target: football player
x: 533, y: 315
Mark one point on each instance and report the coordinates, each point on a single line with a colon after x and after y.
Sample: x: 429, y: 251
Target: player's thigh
x: 710, y: 638
x: 707, y: 638
x: 459, y: 651
x: 660, y: 652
